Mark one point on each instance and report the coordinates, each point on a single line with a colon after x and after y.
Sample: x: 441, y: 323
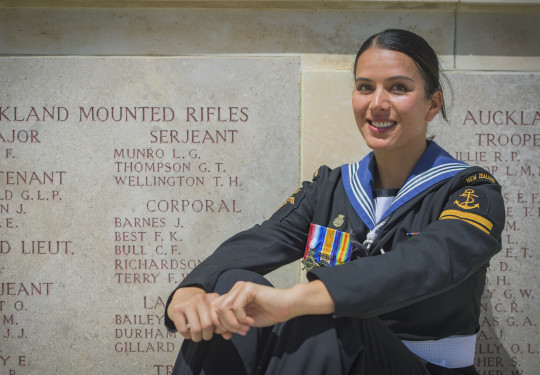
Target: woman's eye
x: 364, y: 88
x: 399, y: 88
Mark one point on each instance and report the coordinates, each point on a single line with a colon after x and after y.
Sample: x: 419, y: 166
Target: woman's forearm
x: 311, y: 299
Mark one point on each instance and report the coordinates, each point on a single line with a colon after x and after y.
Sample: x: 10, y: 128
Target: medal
x: 326, y: 247
x: 323, y: 263
x: 309, y: 261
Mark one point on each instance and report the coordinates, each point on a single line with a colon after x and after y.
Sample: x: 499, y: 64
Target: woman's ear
x: 436, y: 104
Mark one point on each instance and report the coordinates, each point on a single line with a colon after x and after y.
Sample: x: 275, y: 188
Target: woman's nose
x: 379, y: 100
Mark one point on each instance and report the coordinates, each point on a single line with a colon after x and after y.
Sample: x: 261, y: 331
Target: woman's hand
x: 252, y: 305
x: 193, y: 314
x: 198, y: 315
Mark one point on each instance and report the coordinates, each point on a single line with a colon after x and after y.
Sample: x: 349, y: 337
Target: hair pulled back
x: 417, y: 49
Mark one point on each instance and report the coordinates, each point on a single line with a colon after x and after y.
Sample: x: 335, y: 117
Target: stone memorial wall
x: 111, y: 194
x: 135, y: 138
x: 489, y: 128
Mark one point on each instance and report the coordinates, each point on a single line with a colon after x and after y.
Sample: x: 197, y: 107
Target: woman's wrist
x: 311, y: 298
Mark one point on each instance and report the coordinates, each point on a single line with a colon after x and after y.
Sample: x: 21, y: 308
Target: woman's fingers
x: 205, y: 321
x: 230, y: 308
x: 192, y: 316
x: 198, y: 316
x: 181, y: 303
x: 230, y: 322
x: 182, y: 326
x: 195, y: 328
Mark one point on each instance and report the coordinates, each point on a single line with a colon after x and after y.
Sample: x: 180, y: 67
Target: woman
x: 404, y: 297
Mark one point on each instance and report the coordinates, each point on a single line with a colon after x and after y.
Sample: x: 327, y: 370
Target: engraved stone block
x: 495, y: 123
x: 117, y: 177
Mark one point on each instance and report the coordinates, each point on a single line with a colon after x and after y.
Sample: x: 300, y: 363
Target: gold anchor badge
x: 469, y: 200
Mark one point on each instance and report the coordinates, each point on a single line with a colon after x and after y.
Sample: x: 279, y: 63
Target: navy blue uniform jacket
x: 425, y: 286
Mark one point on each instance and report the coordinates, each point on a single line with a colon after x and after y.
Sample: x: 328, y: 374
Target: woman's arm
x: 198, y: 315
x: 263, y: 248
x: 446, y: 251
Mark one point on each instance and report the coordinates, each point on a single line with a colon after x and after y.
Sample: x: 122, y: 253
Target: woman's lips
x: 381, y: 126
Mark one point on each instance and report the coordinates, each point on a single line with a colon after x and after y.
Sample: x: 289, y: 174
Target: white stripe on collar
x: 435, y: 165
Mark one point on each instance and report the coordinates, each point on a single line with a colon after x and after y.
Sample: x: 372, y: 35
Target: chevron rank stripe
x: 478, y: 221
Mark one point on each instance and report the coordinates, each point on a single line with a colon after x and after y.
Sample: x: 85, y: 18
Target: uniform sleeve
x: 462, y: 239
x: 263, y: 248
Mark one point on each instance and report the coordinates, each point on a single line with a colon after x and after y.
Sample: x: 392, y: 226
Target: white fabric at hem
x: 450, y: 352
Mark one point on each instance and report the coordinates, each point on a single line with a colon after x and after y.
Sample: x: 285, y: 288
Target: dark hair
x: 417, y: 49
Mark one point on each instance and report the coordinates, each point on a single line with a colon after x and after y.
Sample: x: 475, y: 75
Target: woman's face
x: 389, y: 101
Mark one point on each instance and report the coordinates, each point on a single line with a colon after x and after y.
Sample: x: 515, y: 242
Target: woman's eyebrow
x: 400, y: 77
x: 362, y: 79
x: 393, y: 78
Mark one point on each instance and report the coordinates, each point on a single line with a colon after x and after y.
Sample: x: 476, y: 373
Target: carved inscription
x: 24, y: 192
x: 113, y: 189
x: 16, y: 301
x: 148, y: 249
x: 506, y: 142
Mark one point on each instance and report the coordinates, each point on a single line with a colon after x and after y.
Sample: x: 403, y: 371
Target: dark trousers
x: 311, y: 344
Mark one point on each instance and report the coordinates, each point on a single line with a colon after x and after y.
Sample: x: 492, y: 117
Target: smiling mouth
x: 382, y: 125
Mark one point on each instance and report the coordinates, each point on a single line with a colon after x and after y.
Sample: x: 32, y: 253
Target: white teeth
x: 382, y: 124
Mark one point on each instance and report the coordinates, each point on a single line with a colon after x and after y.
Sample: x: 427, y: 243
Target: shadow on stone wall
x: 492, y: 356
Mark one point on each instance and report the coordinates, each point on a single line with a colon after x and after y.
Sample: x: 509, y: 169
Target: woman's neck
x: 394, y: 167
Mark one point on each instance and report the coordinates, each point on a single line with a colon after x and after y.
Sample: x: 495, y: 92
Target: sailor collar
x: 434, y: 166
